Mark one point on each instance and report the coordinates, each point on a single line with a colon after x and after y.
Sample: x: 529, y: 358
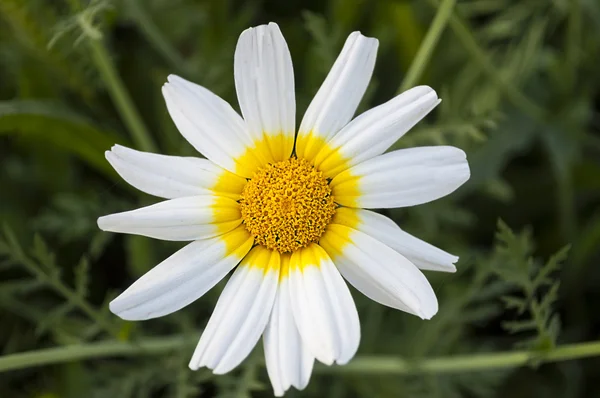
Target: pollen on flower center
x: 287, y: 205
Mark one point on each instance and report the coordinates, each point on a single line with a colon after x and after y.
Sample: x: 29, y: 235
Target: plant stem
x: 116, y: 88
x: 423, y: 56
x: 463, y: 363
x: 102, y: 349
x: 360, y: 365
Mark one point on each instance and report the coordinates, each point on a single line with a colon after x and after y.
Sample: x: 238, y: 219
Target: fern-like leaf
x: 536, y: 290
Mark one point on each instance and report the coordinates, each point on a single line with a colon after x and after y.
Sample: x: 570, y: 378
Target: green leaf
x: 519, y: 326
x: 536, y: 289
x: 60, y: 126
x: 46, y: 258
x: 515, y: 302
x: 53, y: 317
x: 20, y: 286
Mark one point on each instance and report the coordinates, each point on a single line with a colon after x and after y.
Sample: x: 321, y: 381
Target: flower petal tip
x: 221, y: 370
x: 427, y: 314
x: 193, y: 366
x: 423, y: 90
x: 104, y: 222
x: 175, y: 80
x: 425, y: 95
x: 467, y: 168
x: 117, y: 308
x: 270, y: 25
x: 342, y: 362
x: 165, y: 89
x: 113, y: 306
x: 358, y: 34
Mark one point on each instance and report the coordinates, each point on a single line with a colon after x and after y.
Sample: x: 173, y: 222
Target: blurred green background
x: 520, y: 83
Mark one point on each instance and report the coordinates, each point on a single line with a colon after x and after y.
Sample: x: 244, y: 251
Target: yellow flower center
x: 287, y: 205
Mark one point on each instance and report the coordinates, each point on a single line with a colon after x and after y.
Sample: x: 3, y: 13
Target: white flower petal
x: 172, y: 176
x: 241, y: 314
x: 288, y: 361
x: 374, y: 131
x: 211, y: 125
x: 180, y: 219
x: 183, y: 277
x: 339, y: 95
x: 264, y: 81
x: 422, y: 254
x: 323, y: 307
x: 379, y: 272
x: 406, y: 177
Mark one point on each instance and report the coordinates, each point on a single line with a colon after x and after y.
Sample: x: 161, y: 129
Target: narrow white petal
x: 339, y: 95
x: 379, y: 272
x: 171, y: 176
x: 289, y: 363
x: 323, y: 307
x: 183, y: 277
x: 406, y: 177
x: 181, y: 219
x: 422, y: 254
x: 241, y: 314
x: 208, y: 123
x: 373, y: 132
x: 264, y: 81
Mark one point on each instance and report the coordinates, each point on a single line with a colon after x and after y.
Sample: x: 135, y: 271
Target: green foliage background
x: 520, y: 85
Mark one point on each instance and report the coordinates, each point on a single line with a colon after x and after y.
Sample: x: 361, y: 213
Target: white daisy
x: 286, y: 209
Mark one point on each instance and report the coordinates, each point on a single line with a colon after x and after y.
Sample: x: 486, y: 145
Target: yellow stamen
x: 287, y: 205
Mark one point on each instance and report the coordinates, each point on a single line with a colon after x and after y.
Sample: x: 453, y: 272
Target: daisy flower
x: 285, y: 210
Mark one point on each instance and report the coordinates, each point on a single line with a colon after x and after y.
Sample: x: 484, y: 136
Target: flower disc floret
x: 287, y: 205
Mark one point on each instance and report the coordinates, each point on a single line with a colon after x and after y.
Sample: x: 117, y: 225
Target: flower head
x: 285, y: 210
